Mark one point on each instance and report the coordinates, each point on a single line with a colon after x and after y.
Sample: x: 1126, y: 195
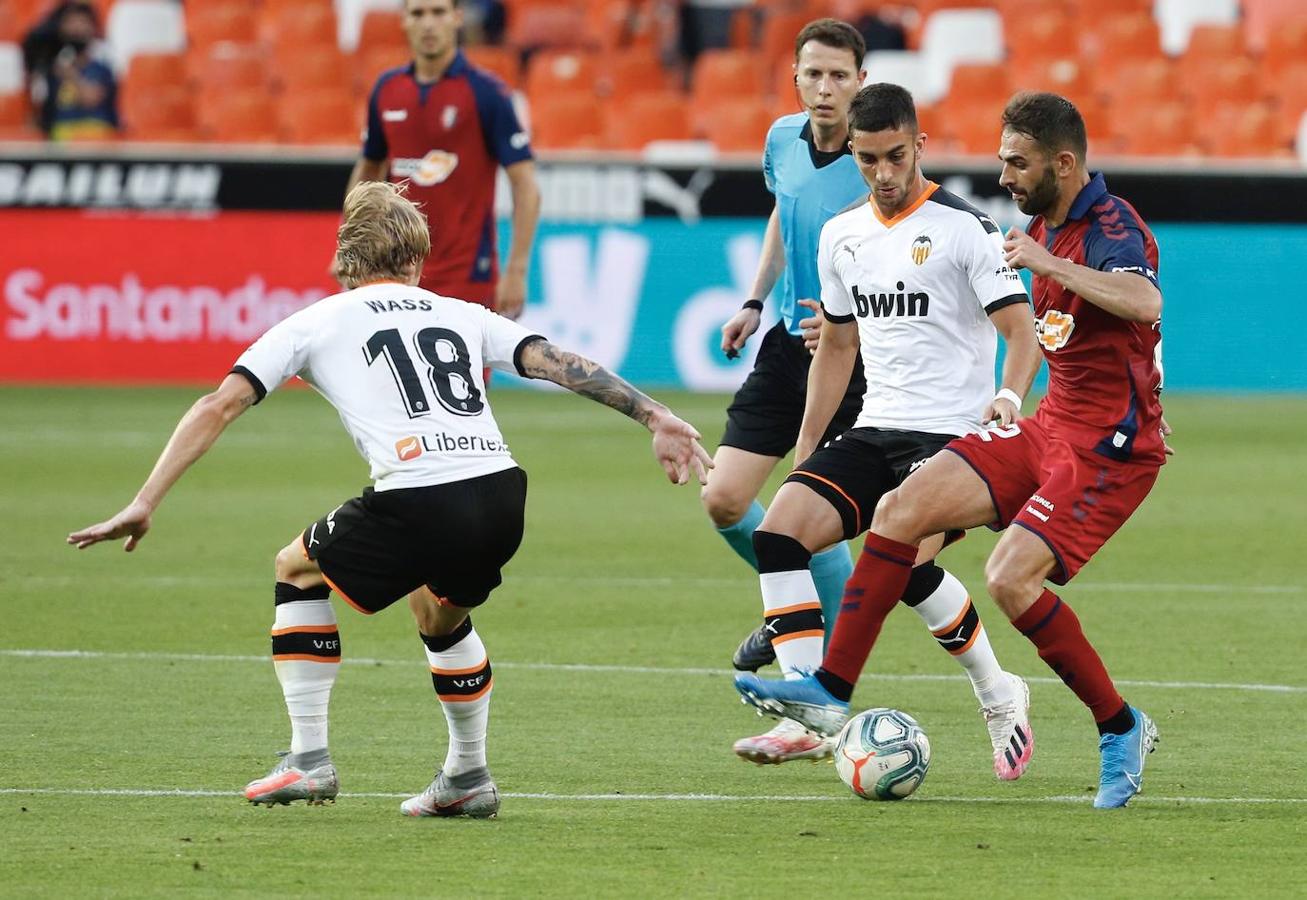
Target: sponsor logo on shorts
x: 921, y: 249
x: 408, y: 448
x: 1054, y: 329
x: 1047, y: 504
x: 916, y: 465
x: 1036, y: 513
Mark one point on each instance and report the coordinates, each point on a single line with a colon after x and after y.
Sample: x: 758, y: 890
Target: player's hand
x: 1021, y: 251
x: 811, y: 326
x: 132, y: 523
x: 1001, y: 411
x: 677, y: 449
x: 510, y: 294
x: 1166, y: 433
x: 738, y: 330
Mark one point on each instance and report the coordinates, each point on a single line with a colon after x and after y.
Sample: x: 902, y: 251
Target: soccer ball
x: 882, y: 754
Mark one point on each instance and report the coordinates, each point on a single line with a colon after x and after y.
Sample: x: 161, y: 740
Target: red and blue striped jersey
x: 1104, y: 373
x: 446, y: 138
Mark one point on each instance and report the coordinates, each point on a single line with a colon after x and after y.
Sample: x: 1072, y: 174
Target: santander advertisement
x: 140, y: 297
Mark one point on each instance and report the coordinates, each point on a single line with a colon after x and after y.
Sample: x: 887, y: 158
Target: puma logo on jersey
x: 1054, y: 329
x: 914, y: 303
x: 848, y: 248
x: 408, y: 448
x: 431, y: 169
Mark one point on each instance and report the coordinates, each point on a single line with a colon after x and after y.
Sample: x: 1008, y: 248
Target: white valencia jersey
x: 403, y: 367
x: 921, y: 287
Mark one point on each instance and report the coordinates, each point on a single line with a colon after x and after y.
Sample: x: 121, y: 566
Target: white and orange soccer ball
x: 882, y: 754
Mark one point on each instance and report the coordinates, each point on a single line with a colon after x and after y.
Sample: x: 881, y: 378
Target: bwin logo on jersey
x: 921, y: 249
x: 915, y: 303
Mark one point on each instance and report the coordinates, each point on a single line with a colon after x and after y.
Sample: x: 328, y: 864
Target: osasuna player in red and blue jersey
x: 1069, y: 476
x: 445, y: 127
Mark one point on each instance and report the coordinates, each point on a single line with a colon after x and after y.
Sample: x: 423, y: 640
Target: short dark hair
x: 882, y: 107
x: 1050, y: 120
x: 833, y: 33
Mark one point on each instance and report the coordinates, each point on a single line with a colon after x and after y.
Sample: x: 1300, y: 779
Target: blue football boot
x: 1122, y: 773
x: 804, y: 700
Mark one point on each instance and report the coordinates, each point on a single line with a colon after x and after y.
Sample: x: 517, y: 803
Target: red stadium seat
x: 607, y: 23
x: 1040, y: 34
x: 211, y: 22
x: 631, y: 71
x: 163, y: 113
x: 648, y: 117
x: 1155, y: 129
x: 226, y: 65
x: 566, y: 120
x: 148, y: 70
x: 779, y: 29
x: 1069, y: 77
x: 973, y: 128
x: 15, y: 111
x: 739, y: 126
x: 381, y: 28
x: 320, y: 117
x: 720, y: 73
x: 313, y: 67
x: 1208, y: 46
x: 545, y: 25
x: 1290, y: 93
x: 979, y: 83
x: 500, y: 61
x: 287, y: 28
x: 1223, y: 81
x: 1139, y: 80
x: 1286, y: 45
x: 1264, y: 18
x: 1241, y: 131
x: 1123, y: 37
x: 239, y: 117
x: 561, y: 70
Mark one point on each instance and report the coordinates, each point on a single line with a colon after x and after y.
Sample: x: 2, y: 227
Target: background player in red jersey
x: 1068, y: 477
x: 445, y: 127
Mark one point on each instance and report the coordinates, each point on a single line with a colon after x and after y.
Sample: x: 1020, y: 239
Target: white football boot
x: 1010, y: 734
x: 788, y: 740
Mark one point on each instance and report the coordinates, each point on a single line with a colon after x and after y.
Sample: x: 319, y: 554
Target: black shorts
x: 860, y: 466
x: 767, y: 411
x: 454, y: 538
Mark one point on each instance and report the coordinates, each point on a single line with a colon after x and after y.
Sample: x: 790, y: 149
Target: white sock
x: 461, y: 674
x: 792, y: 616
x: 952, y: 619
x: 306, y: 656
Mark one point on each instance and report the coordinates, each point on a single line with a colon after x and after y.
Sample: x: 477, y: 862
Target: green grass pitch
x: 613, y: 712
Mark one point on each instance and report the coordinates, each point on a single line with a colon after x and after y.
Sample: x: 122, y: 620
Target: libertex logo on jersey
x: 434, y: 168
x: 415, y: 445
x: 903, y: 303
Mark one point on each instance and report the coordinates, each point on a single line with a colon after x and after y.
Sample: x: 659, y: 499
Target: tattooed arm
x: 675, y: 443
x: 194, y: 435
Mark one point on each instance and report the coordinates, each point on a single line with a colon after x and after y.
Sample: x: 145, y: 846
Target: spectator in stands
x: 75, y: 90
x: 483, y: 21
x: 706, y: 24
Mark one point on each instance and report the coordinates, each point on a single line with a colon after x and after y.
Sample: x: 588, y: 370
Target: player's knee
x: 894, y: 518
x: 286, y: 565
x: 1009, y: 586
x: 724, y: 507
x: 779, y: 552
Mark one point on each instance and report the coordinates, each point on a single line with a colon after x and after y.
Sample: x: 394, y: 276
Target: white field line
x: 20, y: 653
x: 637, y: 581
x: 683, y: 798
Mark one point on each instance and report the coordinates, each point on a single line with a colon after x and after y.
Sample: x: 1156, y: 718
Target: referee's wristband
x: 1011, y: 396
x: 752, y: 304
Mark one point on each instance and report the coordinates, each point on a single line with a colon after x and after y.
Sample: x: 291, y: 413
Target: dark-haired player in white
x: 915, y: 278
x: 403, y: 368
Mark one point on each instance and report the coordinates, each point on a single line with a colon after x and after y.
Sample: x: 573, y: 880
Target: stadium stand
x: 1138, y: 69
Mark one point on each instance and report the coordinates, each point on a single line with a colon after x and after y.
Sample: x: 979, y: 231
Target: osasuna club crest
x: 920, y: 249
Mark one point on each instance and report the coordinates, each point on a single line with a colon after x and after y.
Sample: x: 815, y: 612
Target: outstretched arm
x: 675, y: 443
x: 194, y: 435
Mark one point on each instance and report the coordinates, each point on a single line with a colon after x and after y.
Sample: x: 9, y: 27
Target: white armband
x: 1011, y: 396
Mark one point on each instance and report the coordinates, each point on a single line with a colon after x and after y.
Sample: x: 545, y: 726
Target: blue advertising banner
x: 648, y: 300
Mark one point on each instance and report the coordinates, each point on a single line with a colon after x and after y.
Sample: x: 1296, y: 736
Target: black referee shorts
x: 853, y: 471
x: 767, y: 411
x: 454, y: 538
